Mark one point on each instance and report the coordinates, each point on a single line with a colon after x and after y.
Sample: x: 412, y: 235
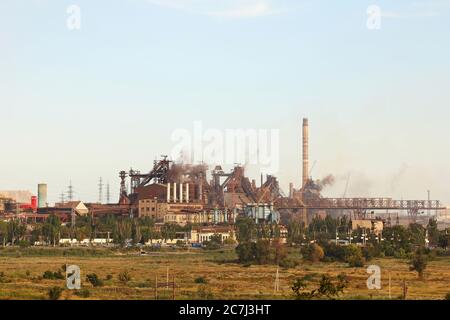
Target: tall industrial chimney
x: 42, y: 195
x: 305, y: 152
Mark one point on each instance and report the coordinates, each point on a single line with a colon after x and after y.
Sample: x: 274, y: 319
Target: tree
x: 16, y: 230
x: 246, y: 229
x: 169, y: 231
x: 279, y: 252
x: 327, y: 288
x: 136, y: 232
x: 122, y: 231
x: 51, y: 228
x: 417, y: 234
x: 396, y: 238
x: 419, y: 263
x: 330, y: 289
x: 296, y: 232
x: 444, y: 240
x: 214, y: 243
x: 36, y: 233
x: 313, y: 252
x: 246, y: 252
x: 299, y: 288
x: 147, y: 229
x: 433, y: 232
x: 4, y: 232
x: 353, y: 256
x: 262, y: 251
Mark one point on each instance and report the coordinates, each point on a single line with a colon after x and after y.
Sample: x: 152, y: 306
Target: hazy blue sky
x: 80, y: 104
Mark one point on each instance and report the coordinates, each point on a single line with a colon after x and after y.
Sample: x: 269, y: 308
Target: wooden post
x: 390, y: 297
x: 156, y: 288
x: 405, y: 289
x: 173, y: 284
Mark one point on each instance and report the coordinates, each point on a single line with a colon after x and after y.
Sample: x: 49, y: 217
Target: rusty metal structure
x: 159, y: 174
x: 234, y: 191
x: 308, y: 198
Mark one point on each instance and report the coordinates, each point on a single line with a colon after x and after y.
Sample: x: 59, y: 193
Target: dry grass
x: 225, y: 279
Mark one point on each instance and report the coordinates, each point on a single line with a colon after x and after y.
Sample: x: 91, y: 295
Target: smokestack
x: 200, y: 188
x: 187, y: 192
x: 42, y: 195
x: 174, y: 192
x: 305, y: 152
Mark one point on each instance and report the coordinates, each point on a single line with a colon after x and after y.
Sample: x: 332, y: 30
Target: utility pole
x: 167, y: 278
x: 72, y: 215
x: 277, y: 282
x: 428, y: 191
x: 61, y: 197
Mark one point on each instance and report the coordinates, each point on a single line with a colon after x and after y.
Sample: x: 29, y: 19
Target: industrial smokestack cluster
x: 183, y: 194
x: 305, y: 152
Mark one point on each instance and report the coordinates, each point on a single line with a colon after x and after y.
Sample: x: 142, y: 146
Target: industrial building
x: 181, y: 193
x: 194, y: 194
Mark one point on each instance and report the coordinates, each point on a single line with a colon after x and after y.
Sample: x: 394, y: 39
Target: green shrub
x: 94, y: 280
x: 3, y: 278
x: 229, y: 241
x: 200, y: 280
x: 400, y: 254
x: 23, y: 244
x: 203, y: 293
x: 333, y: 252
x: 214, y: 243
x: 356, y: 261
x: 145, y: 284
x: 83, y: 293
x: 246, y: 252
x: 49, y: 275
x: 288, y: 263
x: 124, y: 276
x: 54, y: 293
x: 353, y: 256
x: 371, y: 251
x: 313, y: 252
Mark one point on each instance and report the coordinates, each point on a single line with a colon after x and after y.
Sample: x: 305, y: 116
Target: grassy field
x: 23, y: 269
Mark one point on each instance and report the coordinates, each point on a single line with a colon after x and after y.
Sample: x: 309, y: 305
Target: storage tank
x: 42, y: 195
